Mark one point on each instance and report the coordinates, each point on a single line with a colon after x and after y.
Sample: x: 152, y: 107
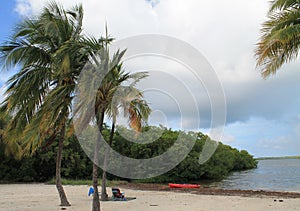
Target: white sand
x: 40, y: 197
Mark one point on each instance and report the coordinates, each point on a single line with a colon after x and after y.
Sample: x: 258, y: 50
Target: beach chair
x: 91, y: 191
x: 117, y: 195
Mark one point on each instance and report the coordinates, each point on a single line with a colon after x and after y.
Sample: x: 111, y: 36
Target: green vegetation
x: 64, y: 181
x: 77, y: 166
x: 225, y: 159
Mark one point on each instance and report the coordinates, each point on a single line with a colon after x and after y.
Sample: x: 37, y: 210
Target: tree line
x: 76, y: 165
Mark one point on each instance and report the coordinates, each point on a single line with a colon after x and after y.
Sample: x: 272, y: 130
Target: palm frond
x: 283, y: 4
x: 280, y: 40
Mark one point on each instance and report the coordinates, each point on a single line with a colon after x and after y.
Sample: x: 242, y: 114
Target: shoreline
x: 211, y: 191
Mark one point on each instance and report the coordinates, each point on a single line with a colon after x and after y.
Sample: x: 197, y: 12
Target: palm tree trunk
x: 60, y: 189
x: 104, y: 196
x: 96, y: 201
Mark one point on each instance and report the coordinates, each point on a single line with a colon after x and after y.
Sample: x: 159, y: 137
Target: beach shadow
x: 126, y: 199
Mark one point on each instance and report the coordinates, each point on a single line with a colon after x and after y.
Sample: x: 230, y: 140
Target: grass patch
x: 70, y: 182
x: 110, y: 183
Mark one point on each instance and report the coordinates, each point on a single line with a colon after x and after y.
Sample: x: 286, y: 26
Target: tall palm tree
x: 51, y: 52
x: 102, y: 77
x: 113, y: 79
x: 130, y: 99
x: 280, y: 40
x: 103, y: 97
x: 95, y: 88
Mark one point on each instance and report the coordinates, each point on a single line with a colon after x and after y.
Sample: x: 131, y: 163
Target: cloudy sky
x: 262, y: 116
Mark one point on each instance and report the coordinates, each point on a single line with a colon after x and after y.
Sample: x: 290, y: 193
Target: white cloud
x: 228, y: 139
x: 224, y: 33
x: 23, y: 7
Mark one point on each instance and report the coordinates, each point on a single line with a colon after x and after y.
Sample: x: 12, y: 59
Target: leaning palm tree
x: 130, y: 99
x: 280, y: 40
x: 50, y: 51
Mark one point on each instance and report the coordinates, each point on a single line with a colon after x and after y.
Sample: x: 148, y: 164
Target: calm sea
x: 277, y: 175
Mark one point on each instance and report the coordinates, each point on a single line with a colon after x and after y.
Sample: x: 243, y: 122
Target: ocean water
x: 274, y: 175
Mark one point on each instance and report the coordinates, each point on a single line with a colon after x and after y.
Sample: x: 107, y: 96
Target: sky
x: 262, y: 116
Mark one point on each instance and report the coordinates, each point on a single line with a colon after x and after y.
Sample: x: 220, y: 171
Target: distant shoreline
x: 278, y: 158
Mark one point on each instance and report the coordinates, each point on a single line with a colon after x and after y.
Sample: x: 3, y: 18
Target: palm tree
x: 102, y: 77
x: 51, y: 52
x: 135, y: 108
x: 97, y: 78
x: 113, y: 79
x: 103, y: 96
x: 280, y: 40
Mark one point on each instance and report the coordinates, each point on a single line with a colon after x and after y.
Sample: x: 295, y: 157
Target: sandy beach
x: 41, y: 197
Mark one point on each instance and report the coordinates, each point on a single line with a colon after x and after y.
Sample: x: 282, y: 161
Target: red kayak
x: 174, y: 185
